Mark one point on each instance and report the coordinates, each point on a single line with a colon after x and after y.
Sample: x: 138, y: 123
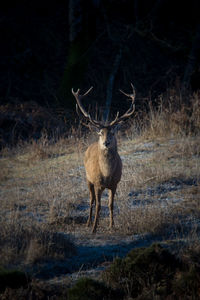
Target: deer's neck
x: 107, y: 161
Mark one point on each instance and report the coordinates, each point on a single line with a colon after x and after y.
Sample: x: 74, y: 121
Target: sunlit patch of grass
x: 158, y: 176
x: 37, y: 190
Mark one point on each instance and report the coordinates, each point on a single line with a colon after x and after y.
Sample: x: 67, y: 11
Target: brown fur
x: 103, y: 170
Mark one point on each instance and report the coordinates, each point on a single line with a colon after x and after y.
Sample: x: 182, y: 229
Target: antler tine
x: 132, y: 96
x: 88, y: 91
x: 78, y: 98
x: 129, y: 112
x: 113, y: 122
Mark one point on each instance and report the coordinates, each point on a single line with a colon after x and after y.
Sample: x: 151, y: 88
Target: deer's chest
x: 107, y: 168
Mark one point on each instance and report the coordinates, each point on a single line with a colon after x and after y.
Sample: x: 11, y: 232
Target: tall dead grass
x: 174, y: 115
x: 32, y: 243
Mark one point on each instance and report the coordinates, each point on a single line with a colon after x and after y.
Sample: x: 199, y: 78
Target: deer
x: 103, y: 165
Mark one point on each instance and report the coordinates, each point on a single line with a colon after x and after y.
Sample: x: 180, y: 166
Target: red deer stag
x: 102, y: 162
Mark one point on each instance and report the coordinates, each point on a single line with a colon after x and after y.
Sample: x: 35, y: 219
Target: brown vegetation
x: 42, y: 188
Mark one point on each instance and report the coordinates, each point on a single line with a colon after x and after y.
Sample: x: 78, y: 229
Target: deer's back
x: 93, y: 163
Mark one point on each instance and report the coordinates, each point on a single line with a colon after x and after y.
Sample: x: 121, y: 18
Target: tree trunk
x: 82, y: 31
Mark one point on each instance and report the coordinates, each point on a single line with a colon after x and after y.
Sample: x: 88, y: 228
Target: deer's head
x: 106, y: 130
x: 107, y: 138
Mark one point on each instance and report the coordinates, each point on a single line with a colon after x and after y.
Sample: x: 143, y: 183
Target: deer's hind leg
x: 92, y: 200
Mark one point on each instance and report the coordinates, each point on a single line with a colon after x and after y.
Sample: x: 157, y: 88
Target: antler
x: 129, y: 112
x: 82, y: 109
x: 117, y: 119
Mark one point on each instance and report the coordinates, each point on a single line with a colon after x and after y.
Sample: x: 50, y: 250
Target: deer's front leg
x: 98, y: 193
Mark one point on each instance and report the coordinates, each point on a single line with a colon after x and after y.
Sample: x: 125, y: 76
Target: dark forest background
x: 48, y: 47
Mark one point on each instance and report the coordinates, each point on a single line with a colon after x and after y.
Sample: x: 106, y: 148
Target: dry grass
x: 37, y: 187
x: 156, y: 178
x: 174, y: 116
x: 30, y: 244
x: 42, y: 184
x: 159, y: 166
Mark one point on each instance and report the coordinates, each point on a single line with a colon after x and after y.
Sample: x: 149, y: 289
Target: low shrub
x: 89, y: 289
x: 12, y: 279
x: 20, y: 243
x: 142, y: 269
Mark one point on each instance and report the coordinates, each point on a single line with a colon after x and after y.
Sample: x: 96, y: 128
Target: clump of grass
x: 36, y: 289
x: 31, y: 244
x: 12, y: 279
x: 89, y: 289
x: 144, y: 219
x: 187, y: 280
x: 141, y: 269
x: 174, y: 115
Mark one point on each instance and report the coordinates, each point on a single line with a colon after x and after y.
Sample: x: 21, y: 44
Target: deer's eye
x: 100, y: 133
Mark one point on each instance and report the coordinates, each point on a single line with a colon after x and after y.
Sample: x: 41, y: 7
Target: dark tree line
x: 50, y: 47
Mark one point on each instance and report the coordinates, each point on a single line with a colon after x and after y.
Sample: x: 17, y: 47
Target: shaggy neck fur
x: 107, y: 160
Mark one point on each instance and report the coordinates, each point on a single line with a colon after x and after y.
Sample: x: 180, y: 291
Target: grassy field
x: 44, y: 197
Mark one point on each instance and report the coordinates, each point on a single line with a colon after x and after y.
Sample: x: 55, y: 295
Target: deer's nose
x: 106, y: 143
